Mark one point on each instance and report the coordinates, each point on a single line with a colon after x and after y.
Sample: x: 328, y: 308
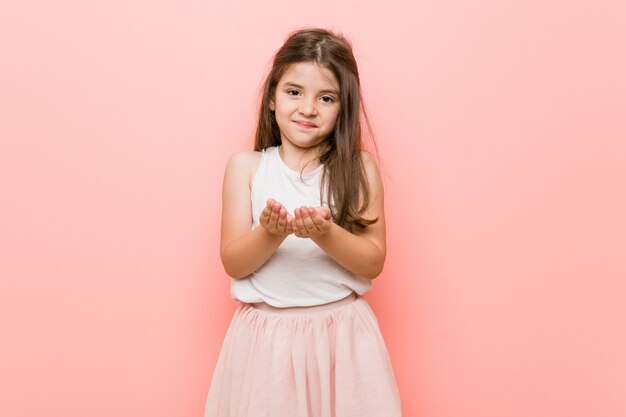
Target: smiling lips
x: 304, y: 124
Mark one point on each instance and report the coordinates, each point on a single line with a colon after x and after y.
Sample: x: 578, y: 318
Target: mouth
x: 304, y: 124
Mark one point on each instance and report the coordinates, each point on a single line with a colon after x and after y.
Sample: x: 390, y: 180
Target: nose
x: 308, y: 107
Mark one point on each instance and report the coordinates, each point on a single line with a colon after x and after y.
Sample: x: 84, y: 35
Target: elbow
x: 233, y: 272
x: 373, y: 269
x: 372, y: 273
x: 231, y: 266
x: 374, y: 265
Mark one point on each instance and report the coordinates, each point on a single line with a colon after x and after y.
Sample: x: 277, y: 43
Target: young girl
x: 303, y: 235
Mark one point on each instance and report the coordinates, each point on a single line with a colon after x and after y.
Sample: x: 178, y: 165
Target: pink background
x: 502, y: 135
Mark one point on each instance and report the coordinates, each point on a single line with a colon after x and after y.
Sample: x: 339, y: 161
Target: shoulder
x: 370, y: 166
x: 243, y: 162
x: 243, y: 159
x: 369, y: 161
x: 241, y: 167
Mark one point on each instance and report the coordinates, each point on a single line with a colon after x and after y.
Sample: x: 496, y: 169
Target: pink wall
x: 502, y: 136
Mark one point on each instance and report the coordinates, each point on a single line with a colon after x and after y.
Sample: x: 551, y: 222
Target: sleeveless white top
x: 299, y: 273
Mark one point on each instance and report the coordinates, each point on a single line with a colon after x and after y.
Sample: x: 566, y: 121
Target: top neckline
x: 293, y: 172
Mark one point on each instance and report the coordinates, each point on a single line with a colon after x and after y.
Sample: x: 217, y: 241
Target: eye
x: 292, y: 92
x: 328, y: 99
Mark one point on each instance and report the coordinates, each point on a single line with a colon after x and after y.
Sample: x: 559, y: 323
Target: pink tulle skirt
x: 320, y: 361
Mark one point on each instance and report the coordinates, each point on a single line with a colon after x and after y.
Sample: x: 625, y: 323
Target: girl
x: 303, y: 235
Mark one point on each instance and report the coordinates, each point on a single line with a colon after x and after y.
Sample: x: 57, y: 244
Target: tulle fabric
x: 329, y: 361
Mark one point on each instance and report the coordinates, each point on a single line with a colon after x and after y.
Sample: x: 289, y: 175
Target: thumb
x: 323, y: 211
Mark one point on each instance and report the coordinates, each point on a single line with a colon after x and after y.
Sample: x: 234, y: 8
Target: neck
x: 301, y: 159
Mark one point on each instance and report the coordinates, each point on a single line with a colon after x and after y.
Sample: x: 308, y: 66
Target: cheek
x: 334, y: 117
x: 284, y: 106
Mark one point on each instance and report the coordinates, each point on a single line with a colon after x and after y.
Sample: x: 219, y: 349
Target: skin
x: 306, y: 108
x: 277, y: 220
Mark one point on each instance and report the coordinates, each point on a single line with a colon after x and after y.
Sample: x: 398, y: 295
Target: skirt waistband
x: 266, y: 307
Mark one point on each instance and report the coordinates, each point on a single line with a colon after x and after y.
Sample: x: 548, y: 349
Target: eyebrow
x: 290, y: 84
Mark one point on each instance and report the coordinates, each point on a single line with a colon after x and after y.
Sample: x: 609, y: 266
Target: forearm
x: 355, y: 253
x: 247, y: 253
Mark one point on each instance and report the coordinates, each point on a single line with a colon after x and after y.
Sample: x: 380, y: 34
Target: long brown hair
x: 343, y: 178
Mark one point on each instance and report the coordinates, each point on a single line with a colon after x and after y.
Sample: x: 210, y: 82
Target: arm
x: 242, y: 249
x: 362, y: 252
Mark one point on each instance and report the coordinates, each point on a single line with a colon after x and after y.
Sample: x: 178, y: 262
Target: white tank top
x: 299, y: 273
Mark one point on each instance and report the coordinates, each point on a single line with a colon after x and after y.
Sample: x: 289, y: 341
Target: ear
x: 272, y: 106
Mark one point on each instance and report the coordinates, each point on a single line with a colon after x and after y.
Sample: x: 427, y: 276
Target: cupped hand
x: 311, y: 222
x: 275, y: 218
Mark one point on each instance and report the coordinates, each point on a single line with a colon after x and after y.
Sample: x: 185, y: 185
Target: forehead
x: 310, y: 75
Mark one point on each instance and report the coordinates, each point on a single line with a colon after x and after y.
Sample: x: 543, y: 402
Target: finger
x: 282, y: 220
x: 295, y: 222
x: 323, y: 211
x: 316, y: 218
x: 265, y: 216
x: 308, y: 220
x: 300, y: 222
x: 294, y: 227
x: 274, y: 214
x: 273, y: 204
